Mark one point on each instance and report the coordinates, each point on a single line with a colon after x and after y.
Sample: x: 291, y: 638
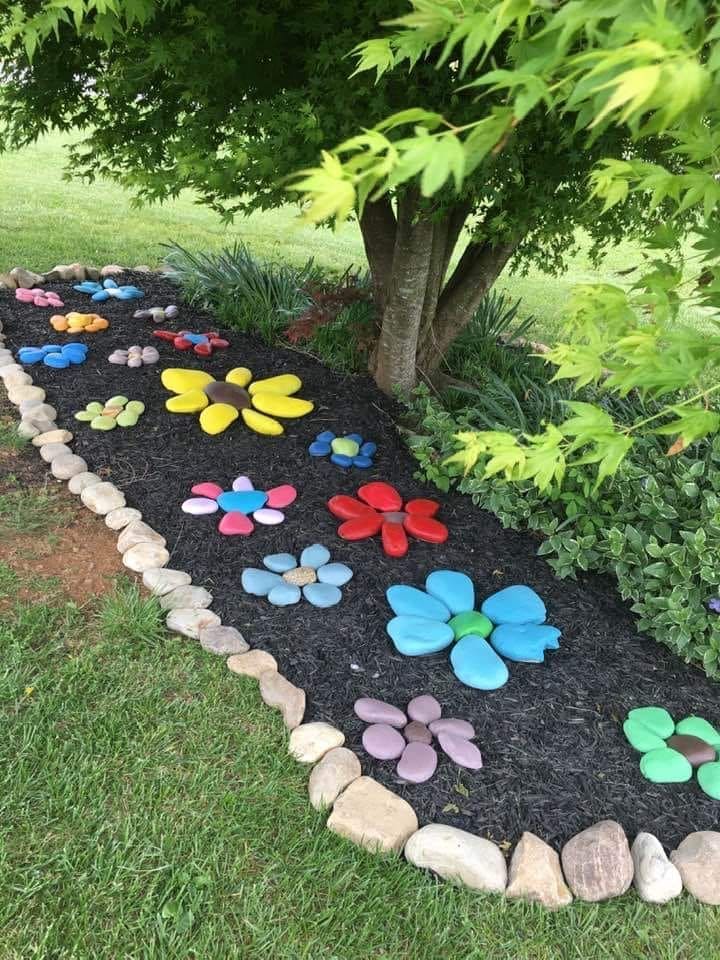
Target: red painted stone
x: 236, y: 524
x: 202, y: 349
x: 168, y: 335
x: 280, y: 497
x: 346, y: 507
x: 180, y: 343
x: 422, y: 507
x: 380, y: 495
x: 218, y: 342
x: 211, y: 490
x: 360, y: 528
x: 425, y: 528
x: 394, y: 539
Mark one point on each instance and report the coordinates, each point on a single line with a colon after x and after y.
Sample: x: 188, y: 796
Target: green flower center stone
x: 471, y: 622
x: 344, y: 446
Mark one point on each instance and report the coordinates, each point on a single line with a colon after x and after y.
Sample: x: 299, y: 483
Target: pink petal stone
x: 242, y: 483
x: 280, y: 497
x: 383, y: 742
x: 211, y: 490
x: 453, y: 726
x: 236, y: 524
x: 42, y: 302
x: 24, y: 296
x: 461, y: 751
x: 199, y: 505
x: 417, y: 763
x: 425, y: 708
x: 268, y: 517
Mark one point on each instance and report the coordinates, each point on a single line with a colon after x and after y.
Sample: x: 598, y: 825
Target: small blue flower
x: 713, y: 604
x: 53, y: 355
x: 286, y: 580
x: 107, y: 289
x: 349, y: 450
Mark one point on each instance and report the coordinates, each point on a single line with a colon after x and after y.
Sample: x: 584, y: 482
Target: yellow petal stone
x: 260, y: 424
x: 178, y: 380
x: 285, y: 384
x: 217, y: 417
x: 189, y: 402
x: 240, y: 376
x: 280, y: 406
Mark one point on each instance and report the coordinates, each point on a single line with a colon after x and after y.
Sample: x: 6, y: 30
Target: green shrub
x: 655, y: 528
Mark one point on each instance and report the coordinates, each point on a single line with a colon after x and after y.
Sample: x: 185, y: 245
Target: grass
x: 28, y: 510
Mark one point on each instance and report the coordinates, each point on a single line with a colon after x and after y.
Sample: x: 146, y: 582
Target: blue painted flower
x: 53, y: 355
x: 286, y: 580
x: 347, y: 451
x: 444, y: 614
x: 107, y: 289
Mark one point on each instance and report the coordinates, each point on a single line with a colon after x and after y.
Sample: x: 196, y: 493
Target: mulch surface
x: 555, y: 757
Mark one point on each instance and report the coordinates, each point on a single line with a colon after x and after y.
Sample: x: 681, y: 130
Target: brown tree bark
x: 378, y: 227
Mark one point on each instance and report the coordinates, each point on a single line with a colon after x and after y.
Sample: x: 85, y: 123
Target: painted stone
x: 38, y: 297
x: 380, y: 496
x: 217, y: 417
x: 424, y: 708
x: 476, y: 664
x: 78, y: 322
x: 211, y: 490
x: 695, y: 750
x: 343, y: 445
x: 245, y: 501
x: 315, y: 556
x: 383, y: 741
x: 259, y: 582
x: 311, y: 578
x: 470, y: 622
x: 322, y: 595
x: 109, y: 289
x: 242, y: 483
x: 336, y: 574
x: 524, y: 643
x: 280, y: 497
x: 454, y: 589
x: 117, y: 412
x: 235, y: 524
x: 377, y: 711
x: 191, y: 401
x: 284, y: 595
x: 453, y: 725
x: 418, y: 636
x: 134, y: 357
x: 647, y: 728
x: 417, y: 763
x: 280, y: 562
x: 698, y: 727
x: 319, y: 449
x: 664, y: 765
x: 416, y: 732
x: 197, y: 506
x: 268, y: 517
x: 409, y: 601
x: 157, y: 314
x: 53, y: 355
x: 708, y: 776
x: 517, y: 604
x: 461, y: 751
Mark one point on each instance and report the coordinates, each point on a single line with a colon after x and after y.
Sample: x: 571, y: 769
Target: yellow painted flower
x: 222, y: 402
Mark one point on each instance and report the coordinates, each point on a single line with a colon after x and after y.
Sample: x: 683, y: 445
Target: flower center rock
x: 230, y: 393
x: 300, y: 576
x: 394, y: 516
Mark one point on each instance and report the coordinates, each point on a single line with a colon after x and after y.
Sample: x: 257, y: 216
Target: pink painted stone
x: 42, y: 302
x: 383, y: 742
x: 417, y: 763
x: 211, y: 490
x: 416, y: 732
x: 377, y: 711
x: 24, y: 296
x: 236, y: 524
x: 280, y: 497
x: 461, y: 751
x: 199, y: 505
x: 242, y: 483
x: 458, y: 728
x: 268, y: 517
x: 425, y: 709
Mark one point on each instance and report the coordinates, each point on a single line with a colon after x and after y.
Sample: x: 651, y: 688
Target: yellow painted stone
x: 189, y: 402
x: 218, y: 417
x: 240, y: 376
x: 280, y: 406
x: 285, y: 384
x: 261, y: 424
x: 178, y: 380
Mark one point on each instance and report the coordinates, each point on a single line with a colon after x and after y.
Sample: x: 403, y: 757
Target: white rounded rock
x: 117, y: 519
x: 14, y: 376
x: 655, y: 878
x: 67, y: 466
x: 138, y: 532
x: 52, y: 450
x: 190, y: 622
x: 103, y: 497
x: 337, y: 770
x: 16, y: 394
x: 186, y: 598
x: 27, y: 430
x: 81, y: 480
x: 311, y: 741
x: 162, y: 580
x: 38, y: 412
x: 52, y: 436
x: 144, y: 556
x: 458, y: 855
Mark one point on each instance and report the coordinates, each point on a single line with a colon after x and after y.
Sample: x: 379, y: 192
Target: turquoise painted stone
x: 454, y: 589
x: 526, y: 642
x: 477, y: 665
x: 336, y: 574
x: 410, y: 602
x: 322, y: 594
x: 314, y: 556
x: 259, y: 582
x: 284, y: 594
x: 417, y: 636
x: 518, y: 604
x: 280, y: 562
x: 242, y: 501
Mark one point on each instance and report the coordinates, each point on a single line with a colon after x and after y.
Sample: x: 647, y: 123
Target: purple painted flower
x: 713, y: 604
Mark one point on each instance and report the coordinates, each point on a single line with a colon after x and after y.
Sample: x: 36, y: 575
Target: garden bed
x: 555, y: 757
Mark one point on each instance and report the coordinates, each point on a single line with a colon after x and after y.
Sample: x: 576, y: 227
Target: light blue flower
x: 108, y: 289
x: 286, y: 579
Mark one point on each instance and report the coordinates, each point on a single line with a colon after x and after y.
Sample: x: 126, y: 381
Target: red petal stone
x: 394, y: 540
x: 346, y: 508
x: 236, y: 524
x: 425, y: 528
x: 422, y: 507
x: 218, y: 342
x: 211, y: 490
x: 381, y: 496
x: 203, y: 349
x: 280, y: 497
x: 360, y: 528
x: 164, y: 334
x: 180, y: 343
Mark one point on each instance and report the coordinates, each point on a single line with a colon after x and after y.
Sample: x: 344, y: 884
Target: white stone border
x: 595, y: 865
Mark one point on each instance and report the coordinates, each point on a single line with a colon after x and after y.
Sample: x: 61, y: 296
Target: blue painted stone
x: 417, y: 636
x: 362, y: 462
x: 327, y: 436
x: 518, y: 604
x: 30, y: 355
x: 243, y: 501
x: 109, y: 283
x: 319, y: 448
x: 410, y: 602
x: 525, y: 643
x: 354, y: 436
x: 322, y: 594
x: 335, y: 573
x: 455, y: 589
x: 196, y: 338
x: 368, y: 449
x: 284, y: 594
x: 476, y: 664
x: 52, y: 348
x: 340, y: 460
x: 259, y: 582
x: 314, y: 556
x: 56, y: 360
x: 74, y: 356
x: 280, y: 562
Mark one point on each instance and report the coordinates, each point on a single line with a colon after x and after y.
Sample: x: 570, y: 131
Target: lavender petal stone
x: 377, y: 711
x: 417, y: 763
x: 383, y: 742
x: 461, y: 751
x: 416, y: 732
x: 242, y: 483
x: 199, y: 505
x: 453, y: 726
x: 424, y: 708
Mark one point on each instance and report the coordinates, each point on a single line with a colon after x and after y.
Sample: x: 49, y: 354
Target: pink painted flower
x: 38, y: 297
x: 239, y: 503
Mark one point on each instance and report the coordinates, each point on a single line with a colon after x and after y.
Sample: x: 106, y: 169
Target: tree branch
x: 378, y: 226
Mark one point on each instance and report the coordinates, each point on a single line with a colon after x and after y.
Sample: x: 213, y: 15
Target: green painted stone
x: 697, y: 727
x: 85, y: 415
x: 118, y: 401
x: 95, y: 408
x: 647, y: 728
x: 103, y: 423
x: 665, y: 766
x: 136, y: 407
x: 347, y: 447
x: 708, y: 776
x: 469, y: 622
x: 127, y: 419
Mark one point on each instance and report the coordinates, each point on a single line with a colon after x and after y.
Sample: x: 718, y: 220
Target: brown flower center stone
x: 394, y: 516
x: 230, y: 393
x: 697, y: 751
x: 300, y: 576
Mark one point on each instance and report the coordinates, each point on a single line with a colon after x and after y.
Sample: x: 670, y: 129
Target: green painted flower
x: 671, y: 752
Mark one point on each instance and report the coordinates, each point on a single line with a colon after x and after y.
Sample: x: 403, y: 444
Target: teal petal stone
x: 280, y: 562
x: 284, y: 594
x: 452, y: 588
x: 259, y: 582
x: 525, y: 643
x: 476, y: 664
x: 418, y: 636
x: 518, y: 604
x: 410, y: 602
x: 242, y: 501
x: 315, y: 556
x: 322, y: 594
x: 336, y: 574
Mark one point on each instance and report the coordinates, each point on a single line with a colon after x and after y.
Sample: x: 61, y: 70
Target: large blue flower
x: 444, y: 614
x: 107, y: 289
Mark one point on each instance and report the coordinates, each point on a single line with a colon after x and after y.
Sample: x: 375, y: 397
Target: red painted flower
x: 201, y: 343
x: 380, y: 510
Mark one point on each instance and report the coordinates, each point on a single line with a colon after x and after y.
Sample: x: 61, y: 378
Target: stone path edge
x: 597, y: 864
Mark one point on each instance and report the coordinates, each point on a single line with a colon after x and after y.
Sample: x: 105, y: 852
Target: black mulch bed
x: 555, y: 756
